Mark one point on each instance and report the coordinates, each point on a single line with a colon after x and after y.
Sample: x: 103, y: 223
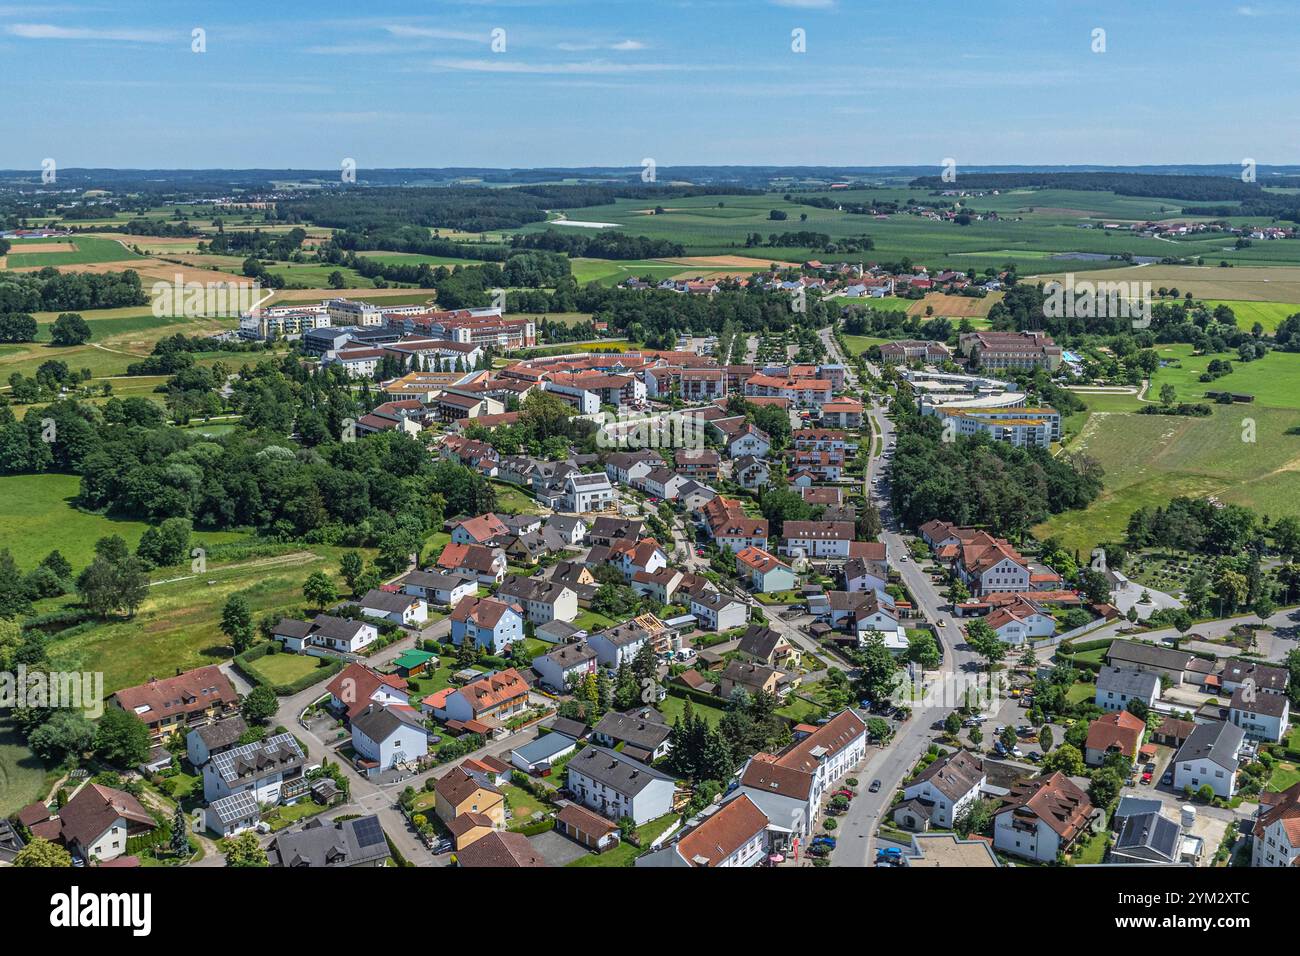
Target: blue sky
x: 610, y: 82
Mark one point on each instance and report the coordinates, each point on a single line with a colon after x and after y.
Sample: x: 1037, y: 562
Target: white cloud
x: 805, y: 4
x: 621, y: 46
x: 437, y: 33
x: 46, y: 31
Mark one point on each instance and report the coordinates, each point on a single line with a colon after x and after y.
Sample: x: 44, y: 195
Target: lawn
x: 522, y: 805
x: 1267, y: 314
x: 22, y: 777
x: 1081, y: 691
x: 1285, y: 774
x: 625, y: 854
x: 512, y: 500
x: 673, y: 707
x: 286, y: 668
x: 591, y: 622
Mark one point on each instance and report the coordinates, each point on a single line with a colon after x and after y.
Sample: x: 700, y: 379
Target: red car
x: 845, y: 792
x: 1146, y: 776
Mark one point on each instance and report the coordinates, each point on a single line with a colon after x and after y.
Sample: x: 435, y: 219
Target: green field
x: 1267, y: 314
x: 1274, y: 380
x: 178, y: 626
x: 22, y: 778
x: 36, y: 516
x: 89, y: 249
x: 1149, y: 459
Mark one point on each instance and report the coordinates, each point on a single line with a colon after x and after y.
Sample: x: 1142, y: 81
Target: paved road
x: 892, y: 763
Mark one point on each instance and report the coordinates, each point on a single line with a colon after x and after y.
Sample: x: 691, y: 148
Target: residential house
x: 788, y: 787
x: 460, y: 791
x: 638, y: 734
x: 1116, y: 733
x: 340, y: 634
x: 1021, y: 621
x: 940, y: 793
x: 438, y: 588
x: 1262, y: 715
x: 750, y: 472
x: 1178, y: 667
x: 485, y: 565
x: 542, y: 601
x: 763, y: 645
x: 344, y: 843
x: 1041, y: 818
x: 824, y: 540
x: 270, y: 770
x: 356, y: 687
x: 1116, y: 686
x: 202, y: 742
x: 406, y: 610
x: 1275, y: 837
x: 538, y: 755
x: 606, y: 530
x: 703, y: 464
x: 566, y: 666
x: 496, y: 698
x: 732, y: 835
x: 570, y: 528
x: 748, y: 439
x: 387, y: 737
x: 1147, y: 839
x: 750, y: 677
x: 764, y: 572
x: 1210, y: 757
x: 179, y: 703
x: 587, y: 493
x: 616, y: 786
x: 620, y: 644
x: 589, y: 829
x: 96, y: 823
x: 498, y: 850
x: 486, y: 529
x: 716, y: 611
x: 492, y: 624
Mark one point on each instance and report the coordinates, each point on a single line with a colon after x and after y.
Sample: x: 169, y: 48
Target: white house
x: 1021, y: 621
x: 385, y: 737
x: 719, y: 612
x: 616, y: 786
x: 749, y: 439
x: 733, y: 835
x: 566, y: 665
x: 438, y: 588
x: 663, y: 483
x: 333, y: 633
x: 542, y: 601
x: 619, y: 644
x: 947, y: 787
x: 829, y: 540
x: 1275, y: 838
x: 270, y: 770
x: 202, y: 742
x: 404, y: 609
x: 1262, y: 715
x: 1210, y: 756
x: 1116, y: 686
x: 1041, y: 818
x: 587, y: 493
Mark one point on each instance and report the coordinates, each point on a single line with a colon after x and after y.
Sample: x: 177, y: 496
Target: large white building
x: 1210, y: 757
x: 616, y: 786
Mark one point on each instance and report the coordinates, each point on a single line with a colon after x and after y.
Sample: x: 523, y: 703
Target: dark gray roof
x: 645, y: 734
x: 386, y: 600
x: 1128, y: 681
x: 1265, y: 676
x: 1132, y: 652
x: 759, y: 641
x: 532, y: 589
x: 292, y: 627
x: 1149, y: 835
x: 435, y: 580
x: 1256, y: 701
x: 1217, y: 742
x: 569, y: 727
x: 348, y: 843
x: 621, y: 774
x: 338, y: 628
x: 251, y: 761
x: 557, y: 631
x: 224, y: 733
x: 379, y: 723
x: 1129, y: 806
x: 954, y: 775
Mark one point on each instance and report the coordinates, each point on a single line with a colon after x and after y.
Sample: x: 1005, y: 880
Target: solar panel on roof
x: 368, y: 831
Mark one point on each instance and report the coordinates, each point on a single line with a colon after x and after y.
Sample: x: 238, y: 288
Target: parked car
x: 1034, y: 757
x: 1146, y: 777
x: 1168, y: 778
x: 825, y: 840
x: 845, y: 792
x: 889, y: 853
x: 875, y: 786
x: 819, y: 850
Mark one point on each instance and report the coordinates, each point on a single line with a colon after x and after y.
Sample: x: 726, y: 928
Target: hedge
x: 541, y: 826
x: 256, y: 653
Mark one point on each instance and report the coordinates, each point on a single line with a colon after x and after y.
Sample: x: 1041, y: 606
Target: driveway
x: 556, y: 849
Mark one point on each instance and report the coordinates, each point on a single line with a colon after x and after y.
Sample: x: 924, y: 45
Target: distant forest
x: 1193, y: 188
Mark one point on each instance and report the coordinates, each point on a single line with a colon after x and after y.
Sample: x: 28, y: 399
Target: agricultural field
x: 1268, y: 314
x: 1149, y: 459
x: 1274, y: 380
x: 1211, y: 283
x: 954, y: 306
x: 73, y: 250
